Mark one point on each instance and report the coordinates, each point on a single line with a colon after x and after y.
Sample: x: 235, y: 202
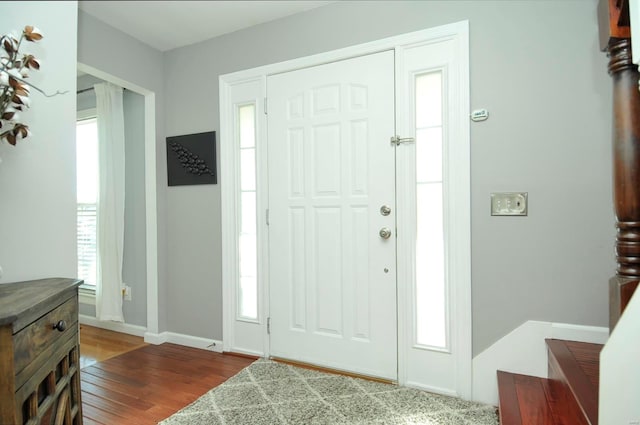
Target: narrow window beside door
x: 248, y: 288
x: 431, y: 294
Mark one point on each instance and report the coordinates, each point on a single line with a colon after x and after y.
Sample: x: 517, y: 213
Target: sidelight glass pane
x: 247, y: 256
x: 429, y: 155
x: 429, y: 99
x: 248, y: 213
x: 247, y: 130
x: 248, y: 169
x: 247, y: 289
x: 249, y: 296
x: 430, y: 285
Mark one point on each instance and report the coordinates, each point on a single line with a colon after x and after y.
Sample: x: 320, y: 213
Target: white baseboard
x: 246, y: 351
x: 124, y: 328
x: 431, y: 389
x: 155, y: 339
x: 182, y: 339
x: 152, y: 338
x: 524, y: 351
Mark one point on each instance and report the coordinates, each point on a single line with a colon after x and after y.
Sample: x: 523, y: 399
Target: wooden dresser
x: 39, y: 353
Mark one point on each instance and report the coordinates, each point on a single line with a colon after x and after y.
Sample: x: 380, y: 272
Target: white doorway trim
x: 151, y: 206
x: 450, y: 359
x: 236, y: 340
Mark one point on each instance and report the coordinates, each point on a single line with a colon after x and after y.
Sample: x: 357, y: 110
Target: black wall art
x: 191, y: 159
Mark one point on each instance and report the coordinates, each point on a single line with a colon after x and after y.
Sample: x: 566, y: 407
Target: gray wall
x: 134, y: 267
x: 134, y: 271
x: 106, y: 49
x: 37, y: 177
x: 535, y: 65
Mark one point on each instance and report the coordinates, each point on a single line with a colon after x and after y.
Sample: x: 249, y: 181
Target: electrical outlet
x: 509, y: 203
x: 127, y: 293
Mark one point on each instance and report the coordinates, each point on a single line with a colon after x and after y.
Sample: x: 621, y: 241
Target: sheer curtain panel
x: 110, y: 201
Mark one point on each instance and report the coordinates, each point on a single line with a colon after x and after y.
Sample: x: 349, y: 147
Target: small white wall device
x: 479, y: 115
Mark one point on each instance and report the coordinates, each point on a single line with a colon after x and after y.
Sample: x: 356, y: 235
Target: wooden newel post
x: 626, y: 176
x: 615, y: 39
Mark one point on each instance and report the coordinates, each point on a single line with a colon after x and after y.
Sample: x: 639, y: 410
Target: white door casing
x: 331, y: 168
x: 252, y: 338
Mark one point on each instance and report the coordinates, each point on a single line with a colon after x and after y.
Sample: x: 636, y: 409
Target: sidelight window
x: 248, y: 287
x: 430, y: 286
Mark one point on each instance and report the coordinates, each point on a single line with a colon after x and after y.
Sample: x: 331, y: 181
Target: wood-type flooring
x: 147, y: 384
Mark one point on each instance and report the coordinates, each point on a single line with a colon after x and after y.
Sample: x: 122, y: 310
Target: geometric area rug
x: 270, y: 393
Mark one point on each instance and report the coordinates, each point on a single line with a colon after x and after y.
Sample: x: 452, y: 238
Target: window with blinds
x: 87, y: 244
x: 87, y: 200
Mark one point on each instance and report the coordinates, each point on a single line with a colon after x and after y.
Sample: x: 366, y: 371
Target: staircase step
x: 568, y: 397
x: 523, y: 400
x: 574, y: 370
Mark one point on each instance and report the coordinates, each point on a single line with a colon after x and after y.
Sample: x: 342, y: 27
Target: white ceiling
x: 166, y: 25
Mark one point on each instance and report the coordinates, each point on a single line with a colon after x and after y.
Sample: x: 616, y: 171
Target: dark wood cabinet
x: 39, y: 353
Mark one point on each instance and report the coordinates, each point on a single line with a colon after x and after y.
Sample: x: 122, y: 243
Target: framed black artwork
x: 191, y: 159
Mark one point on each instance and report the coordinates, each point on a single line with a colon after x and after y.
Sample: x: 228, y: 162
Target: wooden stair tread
x: 575, y: 365
x: 568, y: 397
x: 524, y: 400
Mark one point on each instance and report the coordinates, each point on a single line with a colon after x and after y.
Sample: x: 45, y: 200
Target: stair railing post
x: 615, y: 39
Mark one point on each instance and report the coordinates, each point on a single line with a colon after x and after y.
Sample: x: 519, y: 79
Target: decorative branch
x: 36, y: 87
x: 14, y: 90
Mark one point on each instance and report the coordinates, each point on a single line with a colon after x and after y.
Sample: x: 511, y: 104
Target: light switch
x: 509, y: 203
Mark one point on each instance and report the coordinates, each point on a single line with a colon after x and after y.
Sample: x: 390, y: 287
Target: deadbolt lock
x: 385, y: 210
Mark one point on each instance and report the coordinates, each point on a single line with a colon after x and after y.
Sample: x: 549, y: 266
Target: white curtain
x: 110, y: 201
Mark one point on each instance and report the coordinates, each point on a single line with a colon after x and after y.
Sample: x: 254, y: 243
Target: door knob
x: 385, y: 233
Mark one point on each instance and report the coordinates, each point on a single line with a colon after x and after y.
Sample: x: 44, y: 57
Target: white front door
x: 331, y: 195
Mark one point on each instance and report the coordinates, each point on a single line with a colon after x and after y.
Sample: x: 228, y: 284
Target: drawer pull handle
x: 61, y: 326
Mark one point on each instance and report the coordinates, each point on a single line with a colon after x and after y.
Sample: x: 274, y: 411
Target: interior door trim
x: 255, y: 341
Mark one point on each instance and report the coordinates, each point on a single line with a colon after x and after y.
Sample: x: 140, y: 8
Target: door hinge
x: 268, y: 325
x: 265, y: 106
x: 397, y: 140
x: 267, y: 215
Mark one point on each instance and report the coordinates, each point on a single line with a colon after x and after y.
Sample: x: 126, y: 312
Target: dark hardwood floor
x: 148, y: 384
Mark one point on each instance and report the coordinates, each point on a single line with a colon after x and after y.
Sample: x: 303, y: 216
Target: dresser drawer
x: 41, y: 337
x: 39, y: 365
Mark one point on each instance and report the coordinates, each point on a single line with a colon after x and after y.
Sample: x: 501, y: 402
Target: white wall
x: 37, y: 177
x: 619, y: 370
x: 535, y: 65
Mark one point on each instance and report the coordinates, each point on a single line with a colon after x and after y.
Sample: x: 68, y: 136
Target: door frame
x: 250, y: 337
x: 151, y: 330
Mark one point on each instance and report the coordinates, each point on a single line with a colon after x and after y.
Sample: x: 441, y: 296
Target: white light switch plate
x: 509, y: 203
